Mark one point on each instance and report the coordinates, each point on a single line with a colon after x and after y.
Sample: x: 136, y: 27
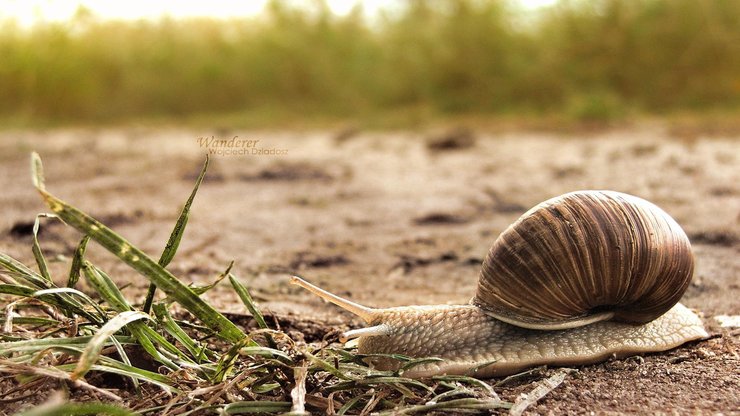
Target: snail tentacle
x: 371, y: 331
x: 367, y: 314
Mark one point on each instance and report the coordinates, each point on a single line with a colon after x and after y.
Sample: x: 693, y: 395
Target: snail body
x: 575, y: 280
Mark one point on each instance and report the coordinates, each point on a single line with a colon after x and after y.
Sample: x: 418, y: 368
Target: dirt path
x: 393, y: 219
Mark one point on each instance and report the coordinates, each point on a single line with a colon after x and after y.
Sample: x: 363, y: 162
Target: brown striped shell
x: 586, y: 256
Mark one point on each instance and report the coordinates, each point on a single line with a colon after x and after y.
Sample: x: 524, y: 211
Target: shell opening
x: 551, y: 325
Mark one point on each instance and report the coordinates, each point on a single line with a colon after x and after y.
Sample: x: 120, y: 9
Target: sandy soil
x: 393, y: 219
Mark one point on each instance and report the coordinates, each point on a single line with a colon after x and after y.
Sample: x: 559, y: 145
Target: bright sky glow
x: 29, y: 12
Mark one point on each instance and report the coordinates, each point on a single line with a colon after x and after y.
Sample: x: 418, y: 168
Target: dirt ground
x: 394, y: 219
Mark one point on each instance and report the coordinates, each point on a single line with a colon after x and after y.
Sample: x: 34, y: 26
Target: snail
x: 575, y: 280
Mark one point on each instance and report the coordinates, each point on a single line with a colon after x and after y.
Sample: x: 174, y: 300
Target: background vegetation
x: 586, y: 59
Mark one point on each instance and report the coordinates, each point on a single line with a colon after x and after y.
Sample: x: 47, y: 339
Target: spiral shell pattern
x: 583, y: 254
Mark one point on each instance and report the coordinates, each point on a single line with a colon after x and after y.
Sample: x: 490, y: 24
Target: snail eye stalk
x: 367, y: 314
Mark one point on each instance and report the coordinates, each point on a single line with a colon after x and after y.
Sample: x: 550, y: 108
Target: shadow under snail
x: 575, y: 280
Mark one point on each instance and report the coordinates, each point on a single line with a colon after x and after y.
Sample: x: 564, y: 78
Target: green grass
x: 586, y: 60
x: 58, y: 341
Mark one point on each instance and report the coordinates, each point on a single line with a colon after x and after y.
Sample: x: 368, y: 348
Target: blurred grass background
x: 585, y: 60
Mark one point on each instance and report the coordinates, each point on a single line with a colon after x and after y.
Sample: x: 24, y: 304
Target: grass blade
x: 36, y: 248
x: 126, y: 361
x: 172, y: 328
x: 78, y: 409
x: 30, y: 320
x: 239, y: 408
x: 350, y: 404
x: 266, y: 352
x: 74, y: 270
x: 469, y: 380
x: 145, y: 335
x: 136, y: 259
x: 452, y: 406
x: 105, y: 287
x: 92, y: 351
x: 71, y: 291
x: 372, y: 381
x: 246, y: 298
x: 18, y: 269
x: 451, y: 393
x: 109, y: 365
x: 174, y: 241
x: 326, y: 366
x: 65, y: 302
x: 199, y: 290
x: 135, y: 373
x: 34, y: 345
x: 18, y: 290
x: 416, y: 362
x: 532, y: 372
x: 227, y: 360
x: 61, y: 300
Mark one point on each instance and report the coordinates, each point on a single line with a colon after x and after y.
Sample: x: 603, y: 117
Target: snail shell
x: 575, y: 280
x: 586, y: 256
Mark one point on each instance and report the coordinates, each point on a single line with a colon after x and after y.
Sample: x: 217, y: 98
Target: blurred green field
x: 585, y: 60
